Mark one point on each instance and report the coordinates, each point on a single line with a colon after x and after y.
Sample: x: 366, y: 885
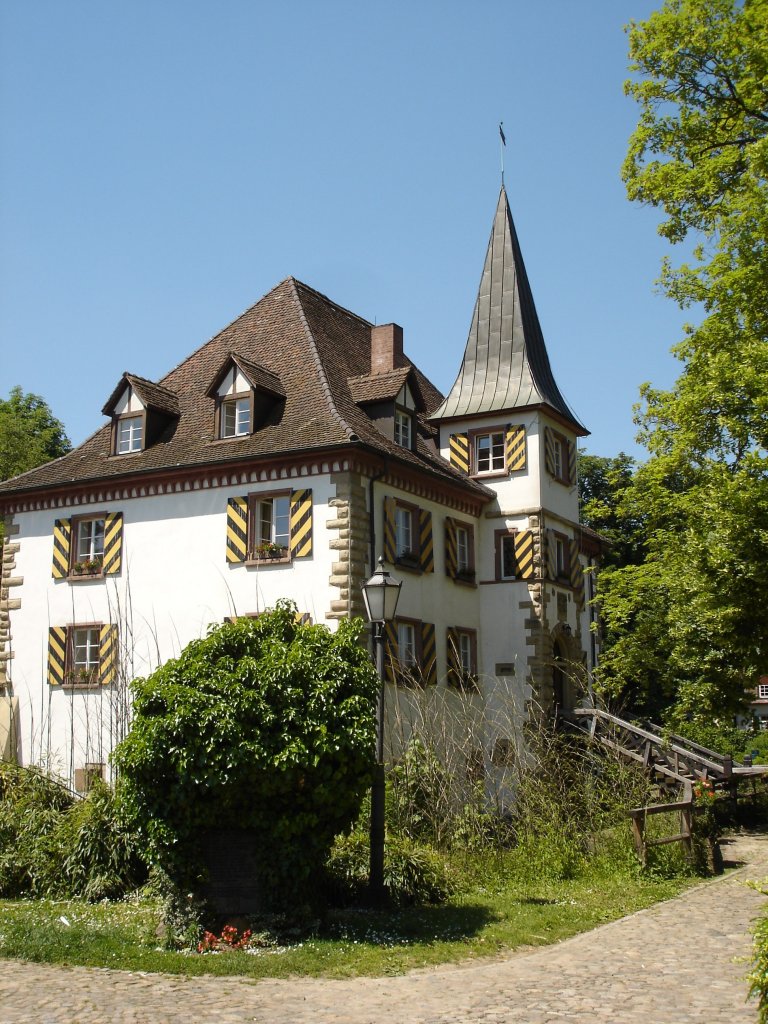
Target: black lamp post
x: 380, y: 594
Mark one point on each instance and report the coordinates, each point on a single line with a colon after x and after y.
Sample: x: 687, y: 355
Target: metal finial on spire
x: 502, y: 145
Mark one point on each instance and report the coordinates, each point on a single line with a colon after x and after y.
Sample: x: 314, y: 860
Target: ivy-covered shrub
x: 266, y: 725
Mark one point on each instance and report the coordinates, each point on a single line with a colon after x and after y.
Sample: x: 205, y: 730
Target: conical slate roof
x: 505, y: 365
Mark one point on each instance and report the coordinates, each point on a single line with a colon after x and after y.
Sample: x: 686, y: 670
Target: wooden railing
x: 682, y: 807
x: 671, y: 757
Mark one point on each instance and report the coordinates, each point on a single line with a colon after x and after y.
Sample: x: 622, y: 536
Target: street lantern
x: 380, y: 594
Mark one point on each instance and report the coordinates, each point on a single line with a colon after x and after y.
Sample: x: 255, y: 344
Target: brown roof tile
x: 378, y: 387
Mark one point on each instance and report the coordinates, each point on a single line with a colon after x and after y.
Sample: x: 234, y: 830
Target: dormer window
x: 245, y: 395
x: 236, y: 416
x: 403, y: 428
x: 142, y: 412
x: 129, y: 434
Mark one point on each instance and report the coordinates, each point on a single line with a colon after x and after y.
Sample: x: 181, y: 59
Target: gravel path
x: 674, y: 963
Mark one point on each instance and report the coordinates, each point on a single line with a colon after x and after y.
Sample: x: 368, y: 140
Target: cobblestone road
x: 671, y: 964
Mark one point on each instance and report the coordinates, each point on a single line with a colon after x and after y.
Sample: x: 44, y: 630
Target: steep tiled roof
x: 505, y: 364
x: 313, y: 347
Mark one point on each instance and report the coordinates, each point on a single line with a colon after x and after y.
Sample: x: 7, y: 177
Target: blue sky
x: 164, y: 164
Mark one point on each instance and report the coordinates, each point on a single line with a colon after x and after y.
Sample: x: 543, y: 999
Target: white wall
x: 175, y: 582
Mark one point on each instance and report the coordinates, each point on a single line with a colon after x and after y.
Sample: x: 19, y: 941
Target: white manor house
x: 281, y: 459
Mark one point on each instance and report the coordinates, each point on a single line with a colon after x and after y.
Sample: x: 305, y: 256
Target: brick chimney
x: 386, y: 348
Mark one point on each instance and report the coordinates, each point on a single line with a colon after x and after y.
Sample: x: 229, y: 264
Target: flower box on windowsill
x: 92, y: 569
x: 265, y: 554
x: 82, y: 677
x: 408, y: 560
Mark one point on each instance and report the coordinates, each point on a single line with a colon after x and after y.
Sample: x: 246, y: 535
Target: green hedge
x: 266, y: 725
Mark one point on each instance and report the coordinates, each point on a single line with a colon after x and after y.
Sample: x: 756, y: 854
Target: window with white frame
x: 236, y: 416
x: 405, y: 546
x: 463, y: 550
x: 562, y: 567
x: 89, y: 539
x: 129, y: 434
x: 406, y: 645
x: 85, y: 652
x: 557, y: 457
x: 462, y: 657
x: 403, y: 428
x: 465, y: 653
x: 87, y: 551
x: 762, y: 691
x: 490, y: 452
x: 270, y: 525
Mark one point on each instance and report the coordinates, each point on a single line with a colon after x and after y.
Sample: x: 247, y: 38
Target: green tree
x: 606, y: 506
x: 688, y: 626
x: 29, y: 433
x: 264, y: 725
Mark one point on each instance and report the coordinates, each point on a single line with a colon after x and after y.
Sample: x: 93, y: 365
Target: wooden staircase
x: 674, y: 762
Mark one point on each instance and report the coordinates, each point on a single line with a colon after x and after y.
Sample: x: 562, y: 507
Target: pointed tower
x: 506, y: 424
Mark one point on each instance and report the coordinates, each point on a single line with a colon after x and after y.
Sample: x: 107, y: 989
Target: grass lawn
x: 501, y: 914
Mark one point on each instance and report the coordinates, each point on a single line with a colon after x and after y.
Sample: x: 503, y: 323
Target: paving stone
x: 675, y: 963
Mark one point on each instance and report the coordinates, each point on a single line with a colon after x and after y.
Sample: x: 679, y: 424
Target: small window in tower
x: 557, y: 457
x: 489, y: 452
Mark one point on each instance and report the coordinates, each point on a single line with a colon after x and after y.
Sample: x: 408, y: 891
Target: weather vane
x: 502, y: 146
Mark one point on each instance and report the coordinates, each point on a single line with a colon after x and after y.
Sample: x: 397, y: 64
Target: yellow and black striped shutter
x: 551, y: 544
x: 458, y: 445
x: 237, y: 529
x: 391, y: 658
x: 108, y: 651
x: 426, y: 547
x: 572, y: 463
x: 428, y: 654
x: 57, y: 654
x: 301, y: 523
x: 390, y: 544
x: 453, y: 661
x: 524, y: 554
x: 113, y: 543
x: 577, y: 575
x: 451, y: 558
x: 62, y: 538
x: 549, y: 451
x: 515, y: 448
